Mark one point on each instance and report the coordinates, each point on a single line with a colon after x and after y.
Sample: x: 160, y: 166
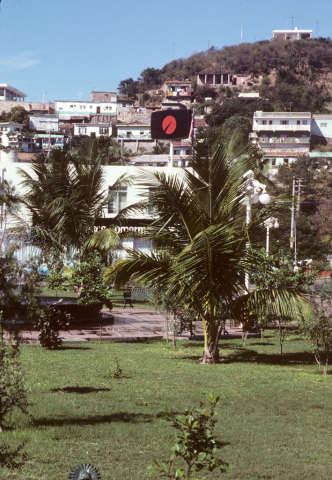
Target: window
x: 263, y: 122
x: 90, y: 107
x: 298, y: 122
x: 71, y: 106
x: 270, y: 122
x: 106, y: 108
x: 128, y: 134
x: 284, y: 122
x: 103, y: 130
x: 105, y: 96
x: 60, y: 108
x: 124, y: 105
x: 323, y: 125
x: 141, y: 133
x: 81, y: 106
x: 81, y: 130
x: 273, y: 162
x: 118, y: 200
x: 286, y: 161
x: 304, y: 122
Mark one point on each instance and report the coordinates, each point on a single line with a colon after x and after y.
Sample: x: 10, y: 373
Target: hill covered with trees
x: 288, y: 75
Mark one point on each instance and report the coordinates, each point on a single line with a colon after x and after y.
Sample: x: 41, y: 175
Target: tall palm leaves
x: 66, y: 196
x: 199, y: 227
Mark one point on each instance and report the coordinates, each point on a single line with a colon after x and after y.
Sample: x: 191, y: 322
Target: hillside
x: 288, y: 75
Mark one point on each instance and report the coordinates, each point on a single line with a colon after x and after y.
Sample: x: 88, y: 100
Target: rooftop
x: 15, y: 90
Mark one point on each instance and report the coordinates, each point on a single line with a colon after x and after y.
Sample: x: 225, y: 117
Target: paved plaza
x: 128, y: 325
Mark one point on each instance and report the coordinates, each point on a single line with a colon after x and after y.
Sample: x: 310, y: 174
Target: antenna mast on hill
x: 241, y: 31
x: 292, y: 17
x: 80, y: 95
x: 317, y: 29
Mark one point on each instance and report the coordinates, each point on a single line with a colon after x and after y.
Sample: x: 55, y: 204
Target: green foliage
x: 195, y: 443
x: 317, y: 327
x: 160, y: 148
x: 129, y: 87
x: 239, y: 124
x: 13, y: 393
x: 87, y: 278
x: 236, y: 107
x: 17, y: 115
x: 277, y: 273
x: 117, y: 372
x: 50, y: 323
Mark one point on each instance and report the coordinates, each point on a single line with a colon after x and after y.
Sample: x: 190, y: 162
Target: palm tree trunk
x: 212, y: 335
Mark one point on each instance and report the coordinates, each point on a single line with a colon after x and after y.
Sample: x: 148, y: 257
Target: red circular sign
x: 169, y: 124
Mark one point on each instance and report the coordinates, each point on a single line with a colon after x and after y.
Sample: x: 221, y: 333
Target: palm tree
x: 66, y: 196
x: 200, y: 236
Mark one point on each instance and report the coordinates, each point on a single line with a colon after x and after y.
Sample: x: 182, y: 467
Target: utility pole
x: 296, y: 191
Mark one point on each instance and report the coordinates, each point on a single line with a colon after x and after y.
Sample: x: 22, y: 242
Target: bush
x: 194, y: 444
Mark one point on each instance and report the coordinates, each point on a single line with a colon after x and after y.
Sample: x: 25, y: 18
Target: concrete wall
x: 103, y: 96
x: 6, y: 106
x: 321, y: 127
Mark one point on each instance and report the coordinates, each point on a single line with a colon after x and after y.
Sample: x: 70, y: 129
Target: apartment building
x: 282, y: 136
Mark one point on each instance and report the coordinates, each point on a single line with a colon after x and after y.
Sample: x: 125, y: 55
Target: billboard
x: 170, y: 124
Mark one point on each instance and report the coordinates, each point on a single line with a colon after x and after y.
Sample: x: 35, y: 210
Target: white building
x: 321, y: 129
x: 135, y: 135
x: 9, y: 93
x: 130, y: 234
x: 92, y: 129
x: 104, y: 109
x: 11, y: 134
x: 295, y: 34
x: 282, y: 136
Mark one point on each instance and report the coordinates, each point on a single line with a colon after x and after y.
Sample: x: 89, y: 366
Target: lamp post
x: 270, y: 223
x: 256, y: 193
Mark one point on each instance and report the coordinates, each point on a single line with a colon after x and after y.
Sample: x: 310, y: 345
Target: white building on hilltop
x: 295, y: 34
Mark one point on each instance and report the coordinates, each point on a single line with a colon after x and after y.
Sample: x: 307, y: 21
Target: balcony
x: 287, y: 141
x: 122, y: 136
x: 179, y: 93
x: 281, y: 128
x: 282, y: 115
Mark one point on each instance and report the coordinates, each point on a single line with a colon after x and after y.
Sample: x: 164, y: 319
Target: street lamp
x: 256, y: 192
x: 270, y: 223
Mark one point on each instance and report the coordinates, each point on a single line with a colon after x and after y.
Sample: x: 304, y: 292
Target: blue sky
x: 65, y: 47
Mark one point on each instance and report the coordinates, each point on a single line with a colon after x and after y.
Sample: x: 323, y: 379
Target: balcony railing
x: 282, y: 114
x: 134, y: 137
x: 284, y: 141
x: 281, y: 128
x: 180, y: 93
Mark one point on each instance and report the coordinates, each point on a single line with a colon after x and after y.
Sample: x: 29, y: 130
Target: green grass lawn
x: 275, y: 415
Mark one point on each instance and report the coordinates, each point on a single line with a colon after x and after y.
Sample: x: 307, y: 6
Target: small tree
x: 13, y: 393
x: 277, y: 272
x: 195, y: 443
x: 87, y: 280
x: 317, y: 327
x: 50, y: 324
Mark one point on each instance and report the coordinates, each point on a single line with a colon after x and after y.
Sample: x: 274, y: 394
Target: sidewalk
x: 130, y: 325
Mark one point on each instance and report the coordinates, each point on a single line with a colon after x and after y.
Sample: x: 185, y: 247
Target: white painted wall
x: 67, y: 109
x: 92, y: 128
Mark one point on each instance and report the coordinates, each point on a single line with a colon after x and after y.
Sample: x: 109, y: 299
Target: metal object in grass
x: 85, y: 471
